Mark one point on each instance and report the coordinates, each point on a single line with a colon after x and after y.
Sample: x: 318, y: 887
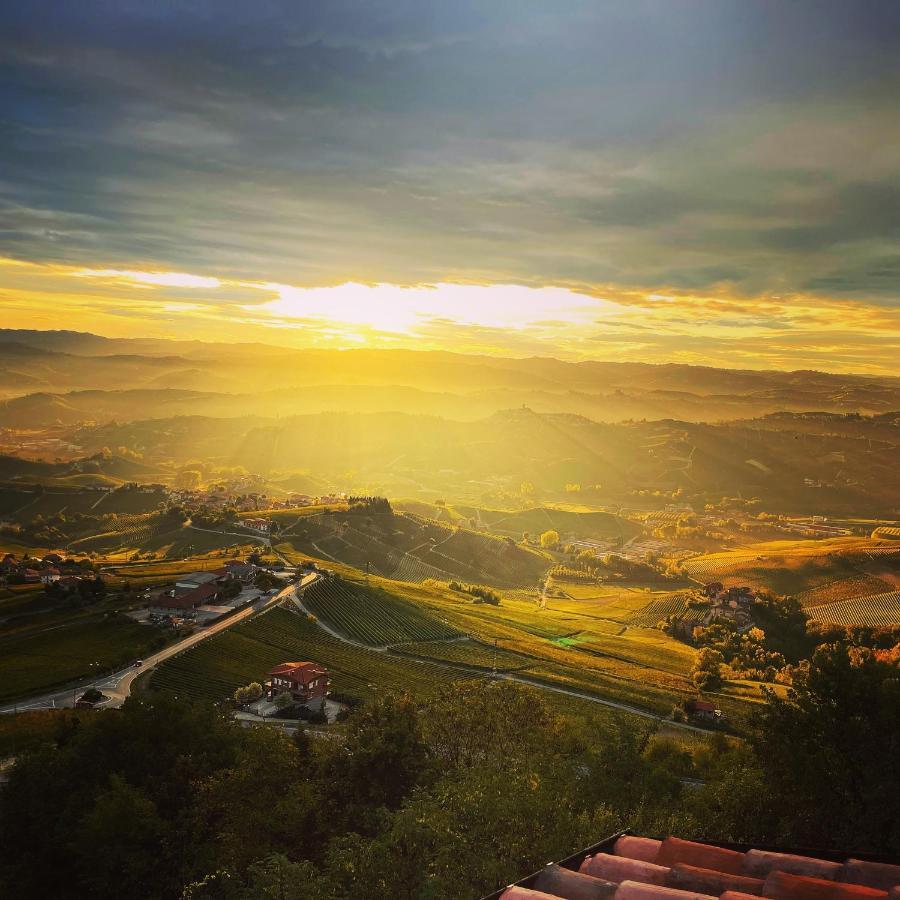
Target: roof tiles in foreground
x: 627, y: 867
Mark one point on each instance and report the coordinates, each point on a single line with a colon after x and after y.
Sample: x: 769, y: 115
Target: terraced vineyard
x: 715, y: 566
x: 468, y: 652
x: 874, y: 611
x: 523, y: 594
x: 658, y: 608
x: 844, y: 589
x: 213, y: 669
x: 372, y: 616
x: 129, y: 531
x: 416, y: 571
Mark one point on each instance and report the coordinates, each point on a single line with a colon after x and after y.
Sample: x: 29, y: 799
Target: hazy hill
x: 414, y: 455
x: 253, y: 378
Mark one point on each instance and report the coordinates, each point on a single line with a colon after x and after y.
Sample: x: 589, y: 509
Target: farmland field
x: 215, y: 668
x: 844, y: 589
x: 36, y: 662
x: 792, y: 567
x: 874, y: 610
x: 372, y: 617
x: 467, y: 652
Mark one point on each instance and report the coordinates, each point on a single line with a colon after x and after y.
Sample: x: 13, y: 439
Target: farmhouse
x: 306, y: 682
x: 244, y: 572
x: 702, y: 709
x: 185, y: 601
x: 734, y: 604
x: 194, y: 580
x: 264, y: 526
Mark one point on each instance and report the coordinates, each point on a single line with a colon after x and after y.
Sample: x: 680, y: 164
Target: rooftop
x: 627, y: 867
x: 298, y: 671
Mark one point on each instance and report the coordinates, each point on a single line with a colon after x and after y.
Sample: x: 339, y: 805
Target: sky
x: 710, y: 181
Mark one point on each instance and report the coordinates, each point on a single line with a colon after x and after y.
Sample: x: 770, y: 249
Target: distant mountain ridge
x: 44, y: 377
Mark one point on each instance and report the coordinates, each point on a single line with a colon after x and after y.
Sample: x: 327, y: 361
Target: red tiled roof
x: 626, y: 867
x: 300, y: 672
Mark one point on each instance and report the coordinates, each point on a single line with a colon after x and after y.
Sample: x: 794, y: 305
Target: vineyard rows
x: 657, y: 610
x: 467, y: 652
x: 874, y: 611
x: 857, y: 586
x: 712, y: 566
x: 372, y: 617
x: 416, y: 571
x: 215, y: 668
x: 127, y: 531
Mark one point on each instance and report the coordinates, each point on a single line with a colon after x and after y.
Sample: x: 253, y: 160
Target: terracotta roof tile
x: 620, y: 868
x: 560, y: 882
x: 635, y: 890
x: 709, y: 881
x: 637, y: 847
x: 628, y: 867
x: 873, y: 874
x: 784, y: 886
x: 759, y: 863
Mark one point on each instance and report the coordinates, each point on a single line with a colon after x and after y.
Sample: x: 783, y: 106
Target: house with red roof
x: 306, y: 682
x: 702, y: 709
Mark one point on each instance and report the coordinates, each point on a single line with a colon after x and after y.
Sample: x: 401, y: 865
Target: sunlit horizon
x: 577, y: 322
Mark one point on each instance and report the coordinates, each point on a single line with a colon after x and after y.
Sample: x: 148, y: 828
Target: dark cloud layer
x: 683, y: 143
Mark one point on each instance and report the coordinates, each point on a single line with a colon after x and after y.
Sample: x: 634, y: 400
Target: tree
x: 830, y: 751
x: 117, y: 841
x: 249, y: 693
x: 383, y: 759
x: 707, y: 671
x: 550, y: 539
x: 189, y: 479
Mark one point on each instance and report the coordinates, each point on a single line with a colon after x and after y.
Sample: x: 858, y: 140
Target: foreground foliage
x: 449, y: 800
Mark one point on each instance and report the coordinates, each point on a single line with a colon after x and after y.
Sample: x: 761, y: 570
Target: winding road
x: 117, y: 686
x: 507, y: 676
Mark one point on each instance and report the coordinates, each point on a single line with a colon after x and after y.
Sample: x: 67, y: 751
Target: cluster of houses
x: 734, y: 604
x: 197, y: 589
x: 237, y: 495
x: 50, y: 569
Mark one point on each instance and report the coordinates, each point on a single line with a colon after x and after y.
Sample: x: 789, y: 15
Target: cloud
x: 731, y: 151
x: 151, y: 279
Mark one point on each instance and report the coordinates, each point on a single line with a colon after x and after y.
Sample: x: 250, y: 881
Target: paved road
x: 118, y: 686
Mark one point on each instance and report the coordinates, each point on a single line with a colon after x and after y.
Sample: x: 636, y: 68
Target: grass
x: 467, y: 652
x: 32, y: 663
x: 26, y: 730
